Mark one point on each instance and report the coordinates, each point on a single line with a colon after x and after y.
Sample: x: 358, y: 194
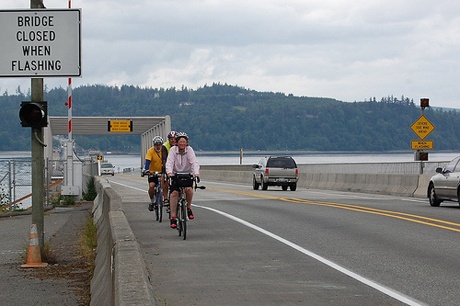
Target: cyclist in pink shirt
x: 181, y: 159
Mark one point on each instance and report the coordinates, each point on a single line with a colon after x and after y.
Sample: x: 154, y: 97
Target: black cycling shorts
x: 153, y: 179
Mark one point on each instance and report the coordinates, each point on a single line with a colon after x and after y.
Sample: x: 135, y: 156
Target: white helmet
x: 181, y: 135
x: 157, y: 140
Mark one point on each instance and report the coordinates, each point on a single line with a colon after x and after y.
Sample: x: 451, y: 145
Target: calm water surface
x: 248, y: 158
x: 216, y: 158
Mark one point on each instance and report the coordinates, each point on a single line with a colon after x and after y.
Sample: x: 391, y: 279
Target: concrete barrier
x: 377, y: 183
x: 422, y: 189
x: 120, y: 275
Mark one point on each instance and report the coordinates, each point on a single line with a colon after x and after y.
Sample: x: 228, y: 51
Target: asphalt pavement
x: 21, y: 286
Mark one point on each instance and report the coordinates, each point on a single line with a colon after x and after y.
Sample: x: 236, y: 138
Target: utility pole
x: 38, y: 163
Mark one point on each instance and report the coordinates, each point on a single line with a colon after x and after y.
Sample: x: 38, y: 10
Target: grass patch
x: 91, y: 194
x: 88, y: 240
x: 87, y: 246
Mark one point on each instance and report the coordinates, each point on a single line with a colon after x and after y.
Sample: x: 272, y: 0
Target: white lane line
x: 124, y: 185
x: 388, y: 291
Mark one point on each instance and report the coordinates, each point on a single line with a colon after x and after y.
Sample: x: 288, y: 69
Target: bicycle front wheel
x: 156, y: 208
x: 184, y: 217
x: 179, y: 217
x: 160, y: 204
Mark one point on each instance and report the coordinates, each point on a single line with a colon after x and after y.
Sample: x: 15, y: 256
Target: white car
x: 108, y: 169
x: 445, y: 184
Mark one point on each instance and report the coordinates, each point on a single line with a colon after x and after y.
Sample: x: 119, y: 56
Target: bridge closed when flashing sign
x: 40, y: 43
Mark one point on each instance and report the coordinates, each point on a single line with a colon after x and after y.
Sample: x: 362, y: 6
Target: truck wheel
x: 293, y: 186
x: 284, y: 187
x: 255, y: 185
x: 264, y: 185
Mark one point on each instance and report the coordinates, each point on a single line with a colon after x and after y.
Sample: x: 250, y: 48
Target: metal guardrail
x: 16, y: 181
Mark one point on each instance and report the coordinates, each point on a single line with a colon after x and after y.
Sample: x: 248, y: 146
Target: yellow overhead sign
x: 422, y: 144
x: 120, y: 126
x: 422, y: 127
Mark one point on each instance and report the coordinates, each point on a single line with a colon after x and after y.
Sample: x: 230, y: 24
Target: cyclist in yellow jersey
x: 154, y: 163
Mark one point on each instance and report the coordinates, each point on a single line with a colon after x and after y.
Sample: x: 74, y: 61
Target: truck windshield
x: 281, y: 163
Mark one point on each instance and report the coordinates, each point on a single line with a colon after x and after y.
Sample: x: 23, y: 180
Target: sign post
x: 422, y: 127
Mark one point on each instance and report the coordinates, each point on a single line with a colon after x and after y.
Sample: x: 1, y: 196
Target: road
x: 308, y: 247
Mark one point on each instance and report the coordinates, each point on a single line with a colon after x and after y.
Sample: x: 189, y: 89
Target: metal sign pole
x: 37, y: 157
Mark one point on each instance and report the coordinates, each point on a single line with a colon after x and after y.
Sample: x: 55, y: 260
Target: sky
x: 349, y: 50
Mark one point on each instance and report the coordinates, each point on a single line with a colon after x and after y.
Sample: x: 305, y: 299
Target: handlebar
x: 196, y: 180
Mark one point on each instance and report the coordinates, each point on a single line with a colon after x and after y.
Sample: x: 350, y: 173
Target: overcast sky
x: 349, y: 50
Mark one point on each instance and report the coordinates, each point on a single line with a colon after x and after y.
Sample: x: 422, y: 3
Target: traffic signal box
x: 424, y: 102
x: 421, y: 156
x: 34, y: 114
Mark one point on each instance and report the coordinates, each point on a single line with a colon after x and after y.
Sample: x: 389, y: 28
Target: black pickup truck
x: 275, y: 171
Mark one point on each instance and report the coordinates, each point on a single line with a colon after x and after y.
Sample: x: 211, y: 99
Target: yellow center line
x: 447, y: 225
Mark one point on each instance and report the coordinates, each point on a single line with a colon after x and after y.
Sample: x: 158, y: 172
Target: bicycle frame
x: 181, y: 213
x: 158, y: 197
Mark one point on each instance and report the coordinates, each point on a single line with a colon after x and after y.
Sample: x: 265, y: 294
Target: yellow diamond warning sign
x: 422, y: 127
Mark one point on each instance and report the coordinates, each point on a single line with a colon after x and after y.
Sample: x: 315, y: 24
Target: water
x: 133, y: 161
x: 249, y: 158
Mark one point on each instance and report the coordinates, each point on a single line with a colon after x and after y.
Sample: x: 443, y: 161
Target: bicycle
x: 158, y: 197
x: 184, y: 180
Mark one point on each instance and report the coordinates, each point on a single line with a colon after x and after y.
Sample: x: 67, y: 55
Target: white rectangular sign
x: 40, y: 43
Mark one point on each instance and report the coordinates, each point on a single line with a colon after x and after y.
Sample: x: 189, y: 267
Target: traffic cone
x: 34, y: 258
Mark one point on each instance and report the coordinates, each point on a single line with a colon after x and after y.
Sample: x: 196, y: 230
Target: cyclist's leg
x: 173, y: 202
x: 164, y: 186
x: 173, y: 197
x: 151, y: 192
x: 189, y: 197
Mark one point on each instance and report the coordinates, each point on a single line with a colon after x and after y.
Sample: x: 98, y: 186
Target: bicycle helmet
x: 157, y: 140
x: 172, y: 134
x: 181, y: 135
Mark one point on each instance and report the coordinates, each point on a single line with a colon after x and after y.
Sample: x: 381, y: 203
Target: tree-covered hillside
x: 222, y: 117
